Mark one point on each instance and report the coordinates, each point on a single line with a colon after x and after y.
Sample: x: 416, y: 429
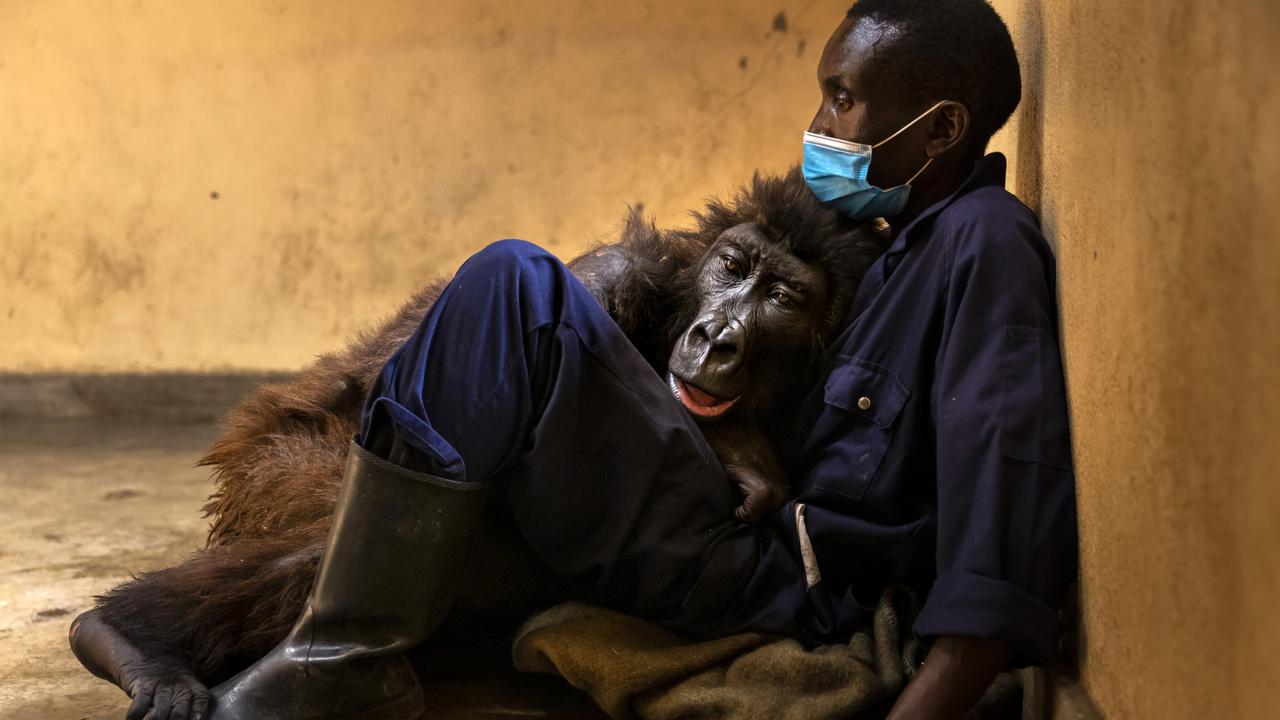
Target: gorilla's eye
x: 782, y: 298
x: 732, y: 267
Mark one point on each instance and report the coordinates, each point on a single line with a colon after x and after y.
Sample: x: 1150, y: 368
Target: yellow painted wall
x: 356, y: 149
x: 1149, y: 141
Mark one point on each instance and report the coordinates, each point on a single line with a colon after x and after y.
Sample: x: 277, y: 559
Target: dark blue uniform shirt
x: 937, y: 451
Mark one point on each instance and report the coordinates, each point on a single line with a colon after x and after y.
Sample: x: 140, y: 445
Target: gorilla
x: 733, y: 312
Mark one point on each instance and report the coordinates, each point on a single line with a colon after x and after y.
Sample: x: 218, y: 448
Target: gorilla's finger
x: 141, y: 703
x: 162, y: 705
x: 181, y: 704
x: 200, y: 704
x: 759, y: 503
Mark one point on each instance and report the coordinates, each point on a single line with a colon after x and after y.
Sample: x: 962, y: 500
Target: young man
x: 935, y: 453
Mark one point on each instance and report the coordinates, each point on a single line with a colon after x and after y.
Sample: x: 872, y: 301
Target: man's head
x: 891, y: 60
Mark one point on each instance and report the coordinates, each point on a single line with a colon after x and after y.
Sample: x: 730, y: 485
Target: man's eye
x: 843, y: 102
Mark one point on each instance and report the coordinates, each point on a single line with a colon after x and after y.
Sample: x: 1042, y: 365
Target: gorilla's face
x: 757, y: 326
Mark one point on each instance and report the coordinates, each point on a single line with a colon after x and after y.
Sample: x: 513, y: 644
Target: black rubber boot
x: 387, y: 578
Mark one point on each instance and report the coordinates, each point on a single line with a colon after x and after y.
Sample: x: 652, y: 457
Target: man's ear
x: 948, y: 128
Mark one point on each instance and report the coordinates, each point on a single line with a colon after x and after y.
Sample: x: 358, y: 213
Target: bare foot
x: 160, y: 683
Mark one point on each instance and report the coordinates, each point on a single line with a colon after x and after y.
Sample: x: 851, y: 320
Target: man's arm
x: 955, y: 674
x: 1005, y: 492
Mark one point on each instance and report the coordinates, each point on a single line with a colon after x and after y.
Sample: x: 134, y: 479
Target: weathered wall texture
x: 242, y: 184
x: 1148, y: 141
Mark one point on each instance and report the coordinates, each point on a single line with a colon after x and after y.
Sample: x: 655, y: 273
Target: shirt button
x: 864, y: 403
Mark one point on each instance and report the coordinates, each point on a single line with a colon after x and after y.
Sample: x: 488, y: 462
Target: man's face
x: 861, y: 107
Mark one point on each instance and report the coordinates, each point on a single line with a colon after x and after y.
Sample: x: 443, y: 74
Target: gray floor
x: 82, y: 505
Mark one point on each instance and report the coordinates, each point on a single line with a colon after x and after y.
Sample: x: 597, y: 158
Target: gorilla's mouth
x: 698, y: 402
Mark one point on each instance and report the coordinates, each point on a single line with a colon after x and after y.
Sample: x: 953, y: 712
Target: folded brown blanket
x: 633, y: 668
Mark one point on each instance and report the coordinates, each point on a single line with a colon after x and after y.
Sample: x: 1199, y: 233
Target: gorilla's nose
x: 719, y: 341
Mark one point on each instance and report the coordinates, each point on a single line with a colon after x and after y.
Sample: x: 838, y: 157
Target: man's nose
x: 821, y: 123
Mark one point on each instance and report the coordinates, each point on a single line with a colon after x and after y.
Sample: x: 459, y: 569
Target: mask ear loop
x: 918, y: 172
x: 903, y: 129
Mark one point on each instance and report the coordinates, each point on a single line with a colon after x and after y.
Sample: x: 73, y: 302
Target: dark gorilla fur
x: 278, y: 464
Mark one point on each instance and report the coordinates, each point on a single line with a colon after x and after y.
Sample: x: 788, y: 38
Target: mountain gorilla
x: 733, y: 312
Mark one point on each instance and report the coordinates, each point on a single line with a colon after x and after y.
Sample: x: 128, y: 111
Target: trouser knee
x: 506, y: 258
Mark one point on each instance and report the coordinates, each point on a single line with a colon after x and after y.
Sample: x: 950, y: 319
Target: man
x: 935, y: 453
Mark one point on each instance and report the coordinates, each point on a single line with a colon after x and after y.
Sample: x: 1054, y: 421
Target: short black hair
x: 950, y: 50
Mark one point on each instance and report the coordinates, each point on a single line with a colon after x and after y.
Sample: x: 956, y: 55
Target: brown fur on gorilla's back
x: 279, y: 460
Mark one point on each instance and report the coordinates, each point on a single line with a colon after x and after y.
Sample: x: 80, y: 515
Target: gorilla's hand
x: 749, y: 461
x: 165, y: 686
x: 760, y: 495
x: 157, y: 682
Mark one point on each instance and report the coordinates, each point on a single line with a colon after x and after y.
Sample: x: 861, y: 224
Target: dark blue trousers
x: 518, y: 376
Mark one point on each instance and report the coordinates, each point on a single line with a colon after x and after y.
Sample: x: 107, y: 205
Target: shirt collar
x: 988, y: 171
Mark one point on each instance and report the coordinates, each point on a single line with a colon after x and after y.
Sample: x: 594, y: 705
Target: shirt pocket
x: 1033, y: 401
x: 865, y: 400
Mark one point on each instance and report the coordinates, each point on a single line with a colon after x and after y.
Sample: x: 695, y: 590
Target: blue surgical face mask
x: 836, y: 172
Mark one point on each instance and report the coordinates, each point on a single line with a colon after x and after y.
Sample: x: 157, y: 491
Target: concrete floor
x: 84, y: 503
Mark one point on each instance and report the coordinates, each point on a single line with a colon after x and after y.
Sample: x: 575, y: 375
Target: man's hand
x: 955, y: 674
x: 750, y: 463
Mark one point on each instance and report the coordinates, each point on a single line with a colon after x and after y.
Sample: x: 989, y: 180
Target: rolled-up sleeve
x: 1006, y: 550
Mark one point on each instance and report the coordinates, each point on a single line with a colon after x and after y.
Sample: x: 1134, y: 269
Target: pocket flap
x: 1033, y: 403
x: 866, y: 389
